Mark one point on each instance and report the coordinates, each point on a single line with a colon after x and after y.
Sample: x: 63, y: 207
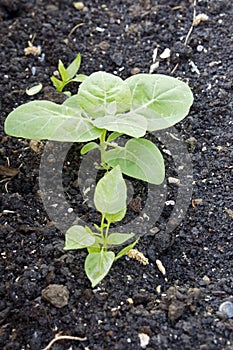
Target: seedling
x: 105, y: 108
x: 68, y: 75
x: 110, y: 201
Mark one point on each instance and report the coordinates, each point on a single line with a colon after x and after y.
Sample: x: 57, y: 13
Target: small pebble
x: 227, y: 308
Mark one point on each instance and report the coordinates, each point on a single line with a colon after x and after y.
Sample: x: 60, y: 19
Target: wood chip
x: 8, y: 171
x: 196, y: 202
x: 200, y: 18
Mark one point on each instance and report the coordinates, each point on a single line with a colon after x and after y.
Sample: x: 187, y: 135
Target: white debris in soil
x: 200, y: 18
x: 144, y: 340
x: 166, y: 53
x: 227, y: 309
x: 161, y: 267
x: 194, y: 68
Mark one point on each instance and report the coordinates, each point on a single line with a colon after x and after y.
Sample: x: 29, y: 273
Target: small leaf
x: 115, y: 217
x: 129, y: 123
x: 140, y: 159
x: 59, y: 85
x: 63, y: 73
x: 88, y: 147
x: 125, y: 250
x: 99, y: 90
x: 79, y: 78
x: 34, y: 89
x: 161, y: 99
x: 113, y: 136
x: 119, y: 238
x: 97, y: 266
x: 73, y: 68
x: 78, y: 237
x: 110, y: 192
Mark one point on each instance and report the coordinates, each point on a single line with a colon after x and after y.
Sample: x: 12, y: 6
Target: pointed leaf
x: 125, y: 250
x: 110, y: 192
x: 113, y: 136
x: 78, y: 237
x: 62, y: 71
x: 97, y: 266
x: 73, y: 68
x: 140, y: 159
x: 59, y: 85
x: 129, y: 123
x: 41, y: 120
x: 79, y: 78
x: 88, y: 147
x: 161, y: 99
x: 119, y: 238
x: 99, y: 90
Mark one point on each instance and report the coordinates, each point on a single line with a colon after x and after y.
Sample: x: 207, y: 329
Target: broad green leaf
x: 119, y: 238
x: 125, y: 250
x: 73, y: 68
x: 99, y: 90
x: 41, y: 120
x: 129, y: 123
x: 97, y: 246
x: 116, y: 217
x: 110, y: 192
x: 161, y: 99
x: 59, y: 85
x: 97, y: 266
x: 34, y: 89
x: 72, y: 102
x: 78, y: 237
x: 63, y: 72
x: 140, y: 159
x: 88, y: 147
x: 114, y: 135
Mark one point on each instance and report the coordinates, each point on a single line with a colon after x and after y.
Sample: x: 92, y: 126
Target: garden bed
x: 134, y: 303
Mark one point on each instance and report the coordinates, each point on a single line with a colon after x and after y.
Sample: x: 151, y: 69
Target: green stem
x: 102, y: 145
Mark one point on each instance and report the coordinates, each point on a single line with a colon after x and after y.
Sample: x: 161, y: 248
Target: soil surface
x: 135, y: 306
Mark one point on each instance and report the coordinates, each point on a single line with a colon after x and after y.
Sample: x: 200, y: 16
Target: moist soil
x: 136, y: 306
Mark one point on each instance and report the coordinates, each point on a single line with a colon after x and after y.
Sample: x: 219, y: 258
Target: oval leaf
x: 119, y: 238
x: 129, y: 123
x: 110, y: 193
x: 99, y: 90
x: 78, y: 237
x: 161, y: 99
x: 34, y: 90
x: 140, y: 159
x: 97, y: 266
x: 116, y: 217
x: 45, y: 120
x: 88, y: 147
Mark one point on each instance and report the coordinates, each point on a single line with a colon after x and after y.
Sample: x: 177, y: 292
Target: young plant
x: 68, y: 74
x: 110, y: 201
x: 105, y: 108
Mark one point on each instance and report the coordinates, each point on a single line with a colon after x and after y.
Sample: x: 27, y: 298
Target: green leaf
x: 115, y: 217
x: 113, y: 136
x: 79, y: 78
x: 63, y: 72
x: 72, y: 102
x: 88, y: 147
x: 110, y: 192
x: 119, y: 238
x: 34, y: 89
x: 59, y: 85
x: 97, y: 266
x: 125, y: 250
x: 129, y: 123
x: 78, y: 237
x: 161, y: 99
x: 99, y: 90
x: 41, y: 120
x: 140, y: 159
x: 73, y: 67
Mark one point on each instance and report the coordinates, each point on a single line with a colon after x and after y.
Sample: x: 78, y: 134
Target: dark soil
x: 180, y: 310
